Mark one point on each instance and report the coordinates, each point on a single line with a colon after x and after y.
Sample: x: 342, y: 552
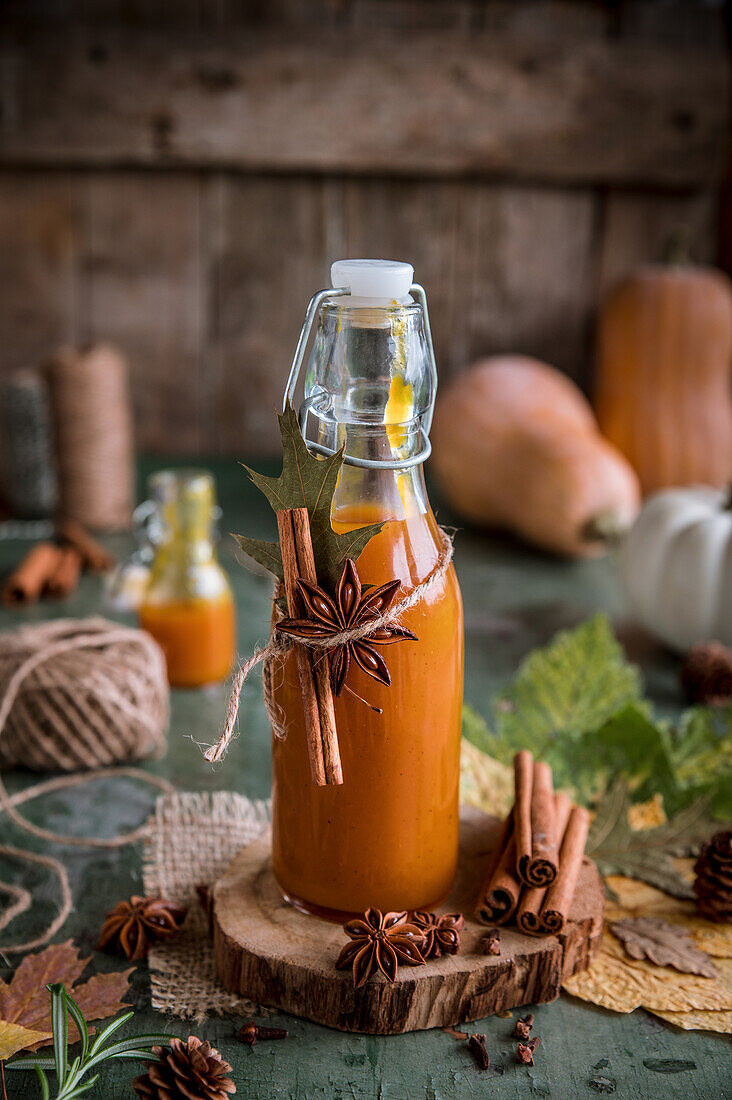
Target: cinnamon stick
x: 65, y: 576
x: 523, y: 780
x: 560, y: 894
x: 94, y: 556
x: 531, y: 903
x: 538, y: 866
x: 500, y: 889
x: 27, y: 581
x: 299, y: 561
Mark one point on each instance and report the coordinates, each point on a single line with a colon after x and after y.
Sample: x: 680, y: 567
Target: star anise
x: 441, y: 933
x: 380, y: 942
x: 133, y: 926
x: 351, y: 607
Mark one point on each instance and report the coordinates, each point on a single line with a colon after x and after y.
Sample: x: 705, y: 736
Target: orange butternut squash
x: 663, y: 386
x: 516, y: 446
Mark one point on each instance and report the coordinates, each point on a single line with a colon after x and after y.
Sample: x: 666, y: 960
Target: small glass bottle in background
x: 188, y: 605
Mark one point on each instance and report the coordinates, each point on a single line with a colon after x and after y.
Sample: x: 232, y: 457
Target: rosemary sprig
x: 93, y: 1053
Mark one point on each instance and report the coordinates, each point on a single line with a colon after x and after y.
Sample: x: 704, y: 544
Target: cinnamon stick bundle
x: 500, y: 889
x: 312, y: 666
x: 536, y: 839
x: 94, y: 556
x: 529, y: 913
x: 28, y: 580
x: 560, y: 894
x: 65, y: 576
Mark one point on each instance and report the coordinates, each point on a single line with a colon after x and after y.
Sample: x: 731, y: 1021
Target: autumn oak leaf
x: 306, y: 482
x: 663, y: 944
x: 26, y: 1003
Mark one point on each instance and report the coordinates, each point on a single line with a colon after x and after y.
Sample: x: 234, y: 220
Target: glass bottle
x: 388, y: 836
x: 188, y: 605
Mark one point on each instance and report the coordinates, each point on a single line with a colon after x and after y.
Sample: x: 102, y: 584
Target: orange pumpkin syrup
x: 197, y: 637
x: 388, y: 836
x: 188, y: 605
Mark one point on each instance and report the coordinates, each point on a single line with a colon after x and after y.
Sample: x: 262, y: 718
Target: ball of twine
x: 79, y: 694
x: 93, y: 422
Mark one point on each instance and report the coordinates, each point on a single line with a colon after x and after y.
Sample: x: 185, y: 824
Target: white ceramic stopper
x: 383, y: 279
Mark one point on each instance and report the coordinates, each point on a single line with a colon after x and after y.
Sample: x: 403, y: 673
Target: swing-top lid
x: 383, y: 281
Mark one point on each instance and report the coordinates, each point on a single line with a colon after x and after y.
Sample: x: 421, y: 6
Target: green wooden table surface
x: 515, y: 599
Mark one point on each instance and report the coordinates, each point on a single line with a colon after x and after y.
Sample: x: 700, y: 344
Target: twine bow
x: 277, y: 647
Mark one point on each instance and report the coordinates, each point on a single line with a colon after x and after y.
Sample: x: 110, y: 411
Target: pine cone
x: 706, y: 674
x: 192, y: 1069
x: 713, y: 883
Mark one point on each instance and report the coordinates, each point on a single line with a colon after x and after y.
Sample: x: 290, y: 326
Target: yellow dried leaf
x: 623, y: 984
x: 638, y: 899
x: 699, y: 1020
x: 484, y: 782
x: 647, y: 815
x: 13, y: 1038
x: 715, y: 939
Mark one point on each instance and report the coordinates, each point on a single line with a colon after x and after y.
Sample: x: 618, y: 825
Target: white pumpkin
x: 676, y: 563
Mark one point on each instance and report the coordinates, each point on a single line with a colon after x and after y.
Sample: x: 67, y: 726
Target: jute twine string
x: 93, y: 423
x: 75, y: 693
x: 80, y: 694
x: 277, y: 647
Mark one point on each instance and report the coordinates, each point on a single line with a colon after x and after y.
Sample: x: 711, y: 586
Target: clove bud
x: 523, y: 1027
x: 525, y: 1051
x: 476, y: 1045
x: 250, y: 1032
x: 491, y: 942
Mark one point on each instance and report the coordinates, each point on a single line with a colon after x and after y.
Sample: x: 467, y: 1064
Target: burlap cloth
x: 191, y: 839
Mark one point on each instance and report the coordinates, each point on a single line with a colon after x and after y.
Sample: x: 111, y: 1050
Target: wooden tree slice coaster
x: 277, y: 956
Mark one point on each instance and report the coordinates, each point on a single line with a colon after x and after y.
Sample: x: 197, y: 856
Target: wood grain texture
x: 638, y: 228
x: 141, y: 287
x: 277, y: 956
x: 534, y: 103
x: 38, y: 267
x: 203, y: 282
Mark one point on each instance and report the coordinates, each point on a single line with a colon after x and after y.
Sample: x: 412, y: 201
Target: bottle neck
x: 377, y: 493
x: 183, y: 548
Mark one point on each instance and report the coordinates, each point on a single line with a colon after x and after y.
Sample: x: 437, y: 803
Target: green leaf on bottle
x: 306, y: 482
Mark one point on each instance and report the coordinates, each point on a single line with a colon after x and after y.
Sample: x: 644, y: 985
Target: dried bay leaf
x: 26, y: 1002
x: 14, y: 1037
x: 663, y: 944
x: 306, y: 482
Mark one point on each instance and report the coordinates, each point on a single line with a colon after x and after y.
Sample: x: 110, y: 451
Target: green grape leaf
x: 701, y: 754
x: 630, y: 745
x: 576, y: 704
x: 647, y: 854
x: 575, y: 684
x: 306, y: 482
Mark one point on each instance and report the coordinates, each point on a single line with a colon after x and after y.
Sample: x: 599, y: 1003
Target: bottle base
x: 339, y: 916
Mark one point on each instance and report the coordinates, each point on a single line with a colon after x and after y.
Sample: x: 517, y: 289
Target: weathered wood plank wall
x: 176, y: 177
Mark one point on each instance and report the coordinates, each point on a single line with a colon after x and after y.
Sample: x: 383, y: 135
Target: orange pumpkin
x: 516, y: 446
x: 663, y: 386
